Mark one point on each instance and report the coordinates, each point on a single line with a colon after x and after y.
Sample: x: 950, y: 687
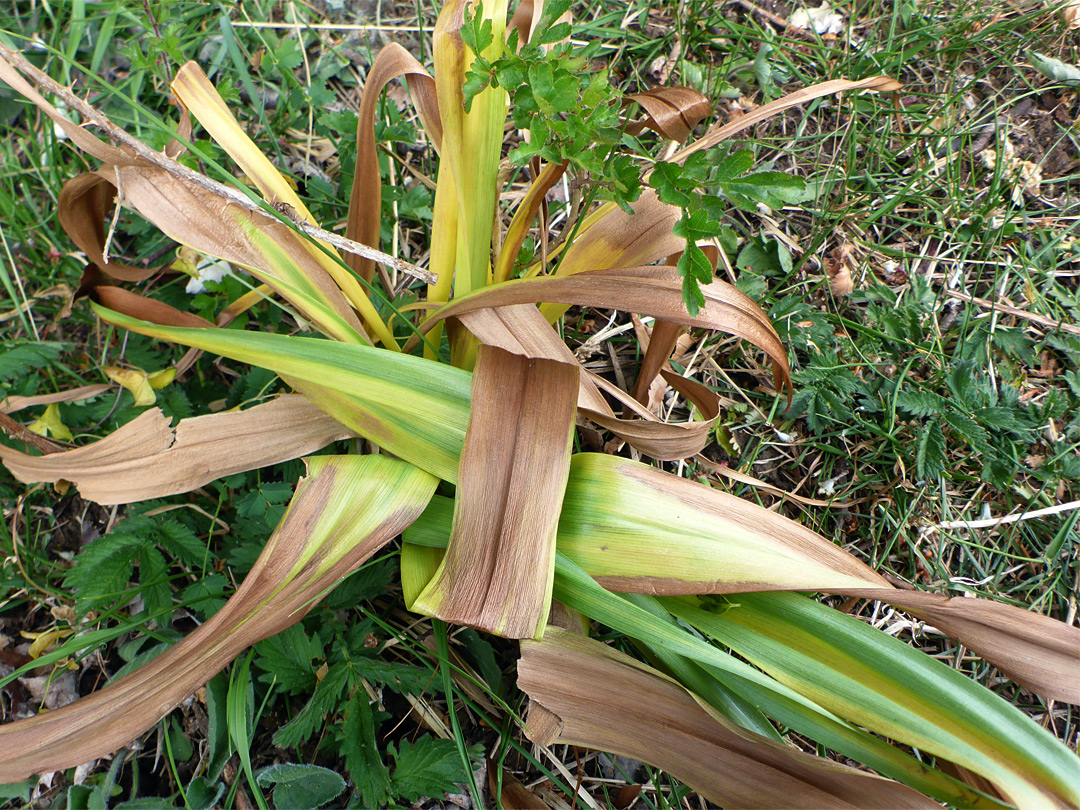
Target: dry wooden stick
x: 162, y: 161
x: 1042, y: 320
x: 23, y: 434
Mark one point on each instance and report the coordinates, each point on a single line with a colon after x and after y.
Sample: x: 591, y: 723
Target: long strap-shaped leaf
x: 640, y: 530
x: 585, y: 693
x: 414, y: 408
x: 498, y: 569
x: 878, y: 681
x: 147, y: 458
x: 343, y: 512
x: 575, y: 588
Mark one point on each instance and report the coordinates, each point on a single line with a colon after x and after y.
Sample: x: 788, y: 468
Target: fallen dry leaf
x: 822, y: 19
x: 1071, y: 12
x: 838, y: 267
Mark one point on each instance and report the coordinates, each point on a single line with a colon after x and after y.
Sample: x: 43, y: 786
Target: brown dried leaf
x: 838, y: 267
x: 661, y: 344
x: 146, y: 309
x: 655, y: 291
x: 365, y: 204
x: 521, y: 329
x: 499, y: 566
x: 671, y: 111
x: 148, y: 459
x: 321, y: 539
x: 667, y: 441
x: 16, y: 403
x: 84, y: 201
x: 200, y: 219
x: 610, y: 237
x: 514, y: 796
x: 877, y: 84
x: 590, y: 695
x: 1071, y: 12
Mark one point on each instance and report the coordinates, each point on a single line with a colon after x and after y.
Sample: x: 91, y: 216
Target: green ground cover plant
x: 914, y: 253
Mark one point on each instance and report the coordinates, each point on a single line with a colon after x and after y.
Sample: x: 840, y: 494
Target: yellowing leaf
x: 135, y: 381
x: 43, y: 641
x: 159, y: 379
x: 49, y: 424
x: 346, y: 509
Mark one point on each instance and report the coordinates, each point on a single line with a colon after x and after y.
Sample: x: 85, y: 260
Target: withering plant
x: 640, y: 550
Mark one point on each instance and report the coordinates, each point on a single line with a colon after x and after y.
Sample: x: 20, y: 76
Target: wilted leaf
x: 523, y: 330
x: 148, y: 459
x: 838, y: 267
x: 590, y: 695
x: 84, y: 202
x: 365, y: 204
x: 655, y: 291
x: 499, y: 565
x: 671, y: 111
x: 523, y: 217
x: 321, y: 539
x: 12, y: 404
x: 48, y: 424
x: 134, y: 380
x: 878, y: 84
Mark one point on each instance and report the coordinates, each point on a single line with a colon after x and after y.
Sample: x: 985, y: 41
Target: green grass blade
x: 240, y: 709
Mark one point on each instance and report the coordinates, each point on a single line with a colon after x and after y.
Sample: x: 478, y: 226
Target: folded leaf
x: 84, y: 202
x: 523, y: 330
x: 498, y: 568
x: 671, y: 111
x: 134, y: 380
x: 365, y: 204
x: 876, y: 84
x: 655, y: 291
x: 523, y: 217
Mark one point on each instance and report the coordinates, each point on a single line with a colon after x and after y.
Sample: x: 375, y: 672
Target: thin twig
x: 162, y: 161
x: 991, y: 522
x: 391, y: 29
x: 783, y: 24
x: 1042, y: 320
